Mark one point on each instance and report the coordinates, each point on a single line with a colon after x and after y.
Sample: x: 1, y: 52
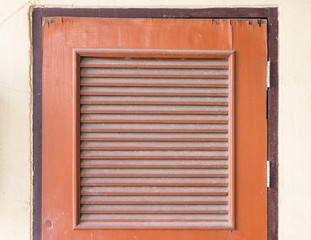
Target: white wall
x: 16, y: 108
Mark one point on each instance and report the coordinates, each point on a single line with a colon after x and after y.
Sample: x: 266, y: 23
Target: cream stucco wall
x: 16, y: 108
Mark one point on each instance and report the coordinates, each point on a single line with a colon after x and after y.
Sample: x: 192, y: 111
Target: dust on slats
x: 154, y: 143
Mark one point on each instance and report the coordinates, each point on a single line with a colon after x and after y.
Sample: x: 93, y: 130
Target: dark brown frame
x: 271, y: 14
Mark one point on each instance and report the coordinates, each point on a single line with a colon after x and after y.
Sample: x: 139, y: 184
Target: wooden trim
x: 146, y: 53
x: 232, y: 140
x: 272, y: 112
x: 271, y: 14
x: 37, y: 122
x: 76, y: 132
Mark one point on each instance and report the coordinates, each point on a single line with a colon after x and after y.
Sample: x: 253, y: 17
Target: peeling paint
x: 49, y: 20
x: 216, y: 21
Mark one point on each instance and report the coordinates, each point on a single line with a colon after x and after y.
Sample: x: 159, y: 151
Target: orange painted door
x: 242, y: 43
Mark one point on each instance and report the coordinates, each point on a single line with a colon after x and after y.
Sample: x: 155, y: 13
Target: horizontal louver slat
x: 154, y: 142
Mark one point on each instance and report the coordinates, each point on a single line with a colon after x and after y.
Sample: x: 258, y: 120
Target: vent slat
x: 146, y: 217
x: 149, y: 173
x: 154, y: 191
x: 160, y: 220
x: 156, y: 139
x: 154, y: 107
x: 153, y: 166
x: 153, y: 66
x: 155, y: 62
x: 153, y: 94
x: 155, y: 103
x: 199, y: 182
x: 154, y: 121
x: 204, y: 193
x: 101, y: 75
x: 155, y: 211
x: 114, y: 84
x: 156, y: 184
x: 165, y: 90
x: 148, y: 162
x: 154, y: 142
x: 167, y: 157
x: 154, y: 145
x: 88, y: 130
x: 174, y: 175
x: 191, y: 81
x: 154, y: 117
x: 162, y: 200
x: 156, y: 112
x: 155, y: 202
x: 169, y: 172
x: 153, y: 71
x: 157, y: 148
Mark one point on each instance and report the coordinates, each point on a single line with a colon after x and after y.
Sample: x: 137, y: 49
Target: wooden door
x: 184, y: 158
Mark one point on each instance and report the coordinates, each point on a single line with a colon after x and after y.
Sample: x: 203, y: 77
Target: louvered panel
x: 155, y: 142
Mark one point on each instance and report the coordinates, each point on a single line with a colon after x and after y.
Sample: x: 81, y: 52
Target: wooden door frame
x: 271, y: 14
